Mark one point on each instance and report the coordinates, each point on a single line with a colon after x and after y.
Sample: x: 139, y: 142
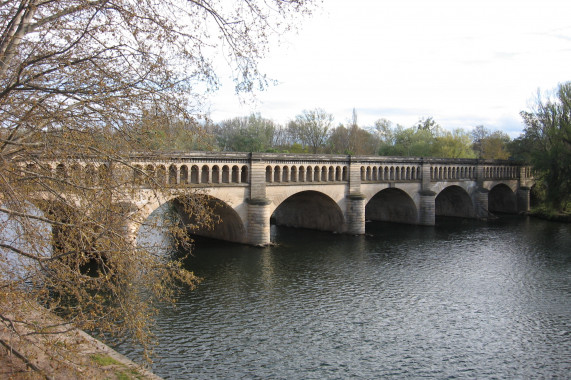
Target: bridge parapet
x: 195, y: 168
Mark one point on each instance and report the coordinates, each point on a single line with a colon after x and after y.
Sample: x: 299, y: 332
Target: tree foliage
x: 311, y: 128
x: 247, y: 134
x: 91, y: 81
x: 454, y: 144
x: 490, y: 145
x: 547, y: 139
x: 352, y: 139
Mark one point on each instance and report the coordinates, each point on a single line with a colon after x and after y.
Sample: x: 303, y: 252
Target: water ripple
x: 461, y: 300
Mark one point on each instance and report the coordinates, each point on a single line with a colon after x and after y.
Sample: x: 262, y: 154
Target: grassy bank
x: 547, y: 213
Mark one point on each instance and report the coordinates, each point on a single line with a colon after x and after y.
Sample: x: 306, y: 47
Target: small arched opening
x: 184, y: 175
x: 205, y: 174
x: 194, y: 174
x: 235, y: 174
x: 244, y: 174
x: 225, y: 174
x: 173, y: 174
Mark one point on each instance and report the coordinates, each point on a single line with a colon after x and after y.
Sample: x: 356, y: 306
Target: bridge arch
x: 310, y: 209
x: 392, y: 205
x: 226, y: 225
x: 501, y: 198
x: 454, y: 201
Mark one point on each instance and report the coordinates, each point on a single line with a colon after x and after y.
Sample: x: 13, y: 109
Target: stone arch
x: 173, y: 172
x: 293, y: 174
x: 149, y: 173
x: 316, y: 174
x: 225, y: 174
x: 194, y: 174
x: 345, y: 173
x: 392, y: 205
x: 285, y: 174
x: 269, y: 173
x: 277, y: 174
x: 235, y: 174
x: 310, y: 209
x: 454, y: 201
x: 502, y: 199
x: 184, y: 174
x: 301, y: 174
x: 215, y: 174
x: 244, y: 174
x: 205, y: 174
x: 161, y: 175
x: 228, y: 224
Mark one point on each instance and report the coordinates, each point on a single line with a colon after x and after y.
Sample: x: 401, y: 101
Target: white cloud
x: 462, y: 62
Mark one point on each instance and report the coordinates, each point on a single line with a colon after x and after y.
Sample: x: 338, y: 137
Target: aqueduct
x: 325, y: 192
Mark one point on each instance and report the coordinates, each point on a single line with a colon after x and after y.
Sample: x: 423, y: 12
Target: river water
x: 463, y: 299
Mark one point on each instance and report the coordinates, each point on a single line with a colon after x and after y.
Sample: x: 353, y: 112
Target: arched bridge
x: 325, y: 192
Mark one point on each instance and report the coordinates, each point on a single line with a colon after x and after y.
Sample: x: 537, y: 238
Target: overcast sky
x: 462, y: 62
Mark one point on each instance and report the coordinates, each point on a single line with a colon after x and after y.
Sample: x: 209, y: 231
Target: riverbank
x: 550, y: 215
x: 55, y: 350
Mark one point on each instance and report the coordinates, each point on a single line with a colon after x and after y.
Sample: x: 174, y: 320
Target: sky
x: 462, y: 62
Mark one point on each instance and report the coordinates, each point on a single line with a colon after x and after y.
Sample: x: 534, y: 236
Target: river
x: 463, y: 299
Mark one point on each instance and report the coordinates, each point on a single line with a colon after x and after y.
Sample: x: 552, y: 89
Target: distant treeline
x: 313, y: 131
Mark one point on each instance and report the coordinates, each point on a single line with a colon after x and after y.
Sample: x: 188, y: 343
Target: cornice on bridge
x: 242, y: 157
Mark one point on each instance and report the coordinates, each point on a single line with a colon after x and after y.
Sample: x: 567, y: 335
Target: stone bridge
x: 325, y: 192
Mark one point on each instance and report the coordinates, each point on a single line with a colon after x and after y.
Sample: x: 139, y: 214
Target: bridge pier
x: 523, y: 199
x: 355, y: 217
x: 427, y: 209
x: 481, y: 203
x: 259, y: 221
